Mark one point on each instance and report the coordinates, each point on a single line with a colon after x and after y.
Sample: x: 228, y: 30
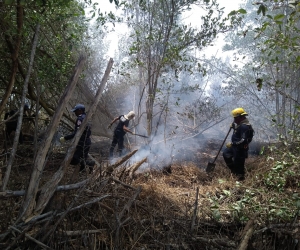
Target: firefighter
x: 83, y: 146
x: 119, y: 132
x: 11, y: 124
x: 237, y: 150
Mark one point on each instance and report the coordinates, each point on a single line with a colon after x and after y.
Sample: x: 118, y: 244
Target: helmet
x: 78, y: 106
x: 130, y: 115
x: 238, y: 111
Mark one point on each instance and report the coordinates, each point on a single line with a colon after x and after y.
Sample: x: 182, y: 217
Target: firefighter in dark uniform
x: 11, y: 125
x: 83, y: 146
x: 237, y: 150
x: 119, y: 132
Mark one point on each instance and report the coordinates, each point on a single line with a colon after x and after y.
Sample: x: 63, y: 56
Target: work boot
x: 90, y: 163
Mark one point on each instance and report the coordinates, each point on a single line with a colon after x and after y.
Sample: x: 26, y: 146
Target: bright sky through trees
x: 191, y: 17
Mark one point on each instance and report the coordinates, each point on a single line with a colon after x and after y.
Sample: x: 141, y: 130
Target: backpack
x: 250, y: 133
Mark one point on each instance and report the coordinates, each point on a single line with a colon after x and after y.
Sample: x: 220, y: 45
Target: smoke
x: 183, y: 115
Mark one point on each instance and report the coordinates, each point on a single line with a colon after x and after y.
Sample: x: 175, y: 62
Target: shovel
x: 211, y: 165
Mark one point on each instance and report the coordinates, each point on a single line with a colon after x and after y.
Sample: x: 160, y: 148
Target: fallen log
x: 135, y: 167
x: 112, y: 167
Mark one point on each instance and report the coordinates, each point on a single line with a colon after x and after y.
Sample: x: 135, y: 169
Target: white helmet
x: 130, y: 115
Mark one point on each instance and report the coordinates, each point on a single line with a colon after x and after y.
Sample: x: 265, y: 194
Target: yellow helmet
x: 238, y: 111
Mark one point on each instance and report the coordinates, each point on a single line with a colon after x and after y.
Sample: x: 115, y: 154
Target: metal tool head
x: 210, y: 167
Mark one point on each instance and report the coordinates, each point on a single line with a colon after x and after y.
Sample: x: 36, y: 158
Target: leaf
x: 8, y: 1
x: 227, y: 192
x: 221, y: 181
x: 232, y: 13
x: 242, y: 11
x: 280, y: 16
x: 262, y: 9
x: 216, y: 215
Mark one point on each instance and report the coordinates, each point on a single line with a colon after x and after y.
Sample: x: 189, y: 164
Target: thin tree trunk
x: 39, y: 161
x: 49, y: 188
x: 15, y: 54
x: 20, y: 118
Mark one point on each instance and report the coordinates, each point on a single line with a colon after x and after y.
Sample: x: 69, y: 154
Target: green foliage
x: 63, y: 26
x: 272, y: 195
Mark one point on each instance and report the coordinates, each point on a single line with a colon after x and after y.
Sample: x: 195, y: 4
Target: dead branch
x: 49, y: 188
x: 217, y: 242
x: 75, y: 233
x: 112, y: 167
x: 119, y: 216
x: 9, y: 193
x: 246, y: 235
x: 195, y: 210
x: 20, y: 118
x: 88, y: 203
x: 32, y: 239
x: 276, y: 226
x: 129, y: 203
x: 39, y: 162
x: 124, y: 184
x: 135, y: 167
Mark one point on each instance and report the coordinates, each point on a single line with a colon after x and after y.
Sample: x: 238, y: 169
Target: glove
x: 62, y: 139
x: 109, y: 126
x: 233, y: 125
x: 229, y: 145
x: 133, y: 133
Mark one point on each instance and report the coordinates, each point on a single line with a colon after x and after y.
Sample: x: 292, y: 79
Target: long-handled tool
x: 141, y: 135
x: 211, y: 165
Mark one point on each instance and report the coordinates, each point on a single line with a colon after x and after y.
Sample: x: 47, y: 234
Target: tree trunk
x: 49, y: 188
x: 20, y: 119
x: 39, y: 161
x: 15, y: 54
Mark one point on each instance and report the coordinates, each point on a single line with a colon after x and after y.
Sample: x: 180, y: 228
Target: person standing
x: 83, y: 146
x: 12, y: 123
x: 237, y: 150
x: 119, y: 132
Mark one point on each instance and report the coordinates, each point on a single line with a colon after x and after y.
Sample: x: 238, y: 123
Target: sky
x: 112, y: 38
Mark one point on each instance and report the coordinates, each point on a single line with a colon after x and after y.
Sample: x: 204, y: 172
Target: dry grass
x: 165, y: 214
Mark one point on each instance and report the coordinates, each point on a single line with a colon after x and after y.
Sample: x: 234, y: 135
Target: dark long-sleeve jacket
x: 242, y: 134
x: 85, y: 137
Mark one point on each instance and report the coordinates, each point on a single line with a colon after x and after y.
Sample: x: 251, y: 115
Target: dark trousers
x: 9, y: 129
x: 80, y: 155
x: 234, y: 158
x: 117, y: 139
